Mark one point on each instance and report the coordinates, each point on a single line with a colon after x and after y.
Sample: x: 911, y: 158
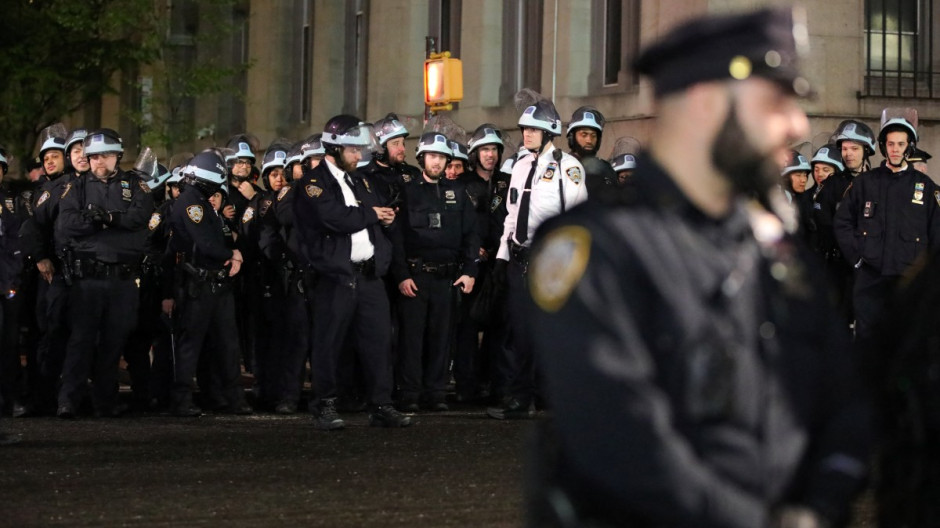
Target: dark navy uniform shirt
x: 198, y: 231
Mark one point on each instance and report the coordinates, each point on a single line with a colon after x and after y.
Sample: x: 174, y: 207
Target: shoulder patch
x: 195, y: 213
x: 265, y: 205
x: 936, y: 196
x: 313, y: 191
x: 406, y: 177
x: 143, y: 186
x: 248, y: 215
x: 282, y: 193
x: 574, y: 174
x: 68, y: 187
x: 558, y: 265
x: 155, y: 220
x: 8, y: 202
x: 42, y: 198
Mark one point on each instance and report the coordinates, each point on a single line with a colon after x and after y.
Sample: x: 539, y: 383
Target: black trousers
x: 361, y: 308
x: 870, y: 292
x: 296, y: 351
x: 53, y: 321
x: 519, y: 362
x: 103, y: 313
x: 424, y: 338
x: 11, y: 373
x: 207, y: 313
x: 270, y: 343
x: 477, y: 364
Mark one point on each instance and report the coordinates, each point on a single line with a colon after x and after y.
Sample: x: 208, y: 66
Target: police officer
x: 458, y: 162
x: 545, y: 182
x: 475, y: 362
x: 793, y: 182
x: 388, y: 170
x: 697, y: 377
x: 46, y: 249
x: 340, y: 226
x: 104, y: 216
x: 12, y: 215
x: 585, y: 132
x: 437, y: 249
x: 856, y: 143
x: 623, y: 165
x: 204, y: 300
x: 887, y: 219
x: 267, y: 293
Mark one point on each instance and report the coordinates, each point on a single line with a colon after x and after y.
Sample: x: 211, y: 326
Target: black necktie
x: 522, y: 218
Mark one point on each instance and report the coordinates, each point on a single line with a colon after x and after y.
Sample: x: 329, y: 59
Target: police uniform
x: 387, y: 180
x: 332, y: 219
x: 106, y: 258
x: 697, y: 374
x: 557, y: 184
x: 278, y: 242
x: 826, y: 199
x: 12, y: 382
x: 204, y: 301
x: 438, y: 243
x: 885, y: 221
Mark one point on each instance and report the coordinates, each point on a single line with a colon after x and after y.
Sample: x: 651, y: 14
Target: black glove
x: 96, y: 214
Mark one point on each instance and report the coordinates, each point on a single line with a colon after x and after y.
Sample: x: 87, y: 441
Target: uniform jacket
x: 826, y: 199
x: 455, y: 241
x: 325, y: 224
x: 691, y: 386
x: 556, y: 186
x: 198, y: 231
x: 887, y: 219
x: 12, y: 216
x: 126, y: 197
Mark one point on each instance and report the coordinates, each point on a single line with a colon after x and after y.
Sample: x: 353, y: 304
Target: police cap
x: 765, y: 43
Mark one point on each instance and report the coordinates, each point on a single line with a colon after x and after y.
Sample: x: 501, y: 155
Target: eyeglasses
x: 241, y: 161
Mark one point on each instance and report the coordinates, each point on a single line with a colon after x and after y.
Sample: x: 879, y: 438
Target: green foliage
x: 58, y: 55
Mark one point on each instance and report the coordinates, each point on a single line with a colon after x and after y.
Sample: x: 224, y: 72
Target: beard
x: 750, y: 172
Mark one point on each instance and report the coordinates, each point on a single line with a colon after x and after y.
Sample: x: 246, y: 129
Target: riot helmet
x: 623, y: 162
x: 76, y: 136
x: 433, y: 142
x: 4, y: 163
x: 313, y: 146
x: 103, y: 141
x: 796, y: 162
x: 459, y: 152
x: 486, y: 134
x: 898, y: 120
x: 586, y: 117
x: 856, y: 131
x: 207, y: 171
x: 829, y: 154
x: 542, y: 116
x: 275, y: 156
x: 240, y: 146
x: 52, y: 138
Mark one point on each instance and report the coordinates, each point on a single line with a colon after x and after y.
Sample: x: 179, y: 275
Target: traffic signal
x: 443, y: 81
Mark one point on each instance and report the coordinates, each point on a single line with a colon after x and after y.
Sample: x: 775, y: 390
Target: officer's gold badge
x: 574, y: 174
x: 406, y: 178
x: 195, y: 213
x: 248, y: 215
x: 42, y: 198
x: 313, y: 191
x: 155, y: 219
x: 283, y: 192
x: 558, y: 265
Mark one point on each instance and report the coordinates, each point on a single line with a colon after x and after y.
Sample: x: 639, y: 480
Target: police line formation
x: 381, y: 275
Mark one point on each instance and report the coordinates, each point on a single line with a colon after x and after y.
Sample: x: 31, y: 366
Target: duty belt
x: 448, y: 269
x: 364, y: 267
x: 95, y: 269
x: 203, y: 274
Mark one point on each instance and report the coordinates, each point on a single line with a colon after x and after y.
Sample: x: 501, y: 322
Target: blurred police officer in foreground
x: 341, y: 225
x: 888, y: 218
x: 545, y: 182
x: 437, y: 250
x: 104, y: 216
x: 698, y: 376
x: 205, y: 302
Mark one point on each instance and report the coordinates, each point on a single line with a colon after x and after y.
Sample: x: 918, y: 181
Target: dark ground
x: 448, y: 469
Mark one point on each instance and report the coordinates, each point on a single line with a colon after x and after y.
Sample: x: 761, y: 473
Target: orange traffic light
x: 443, y: 80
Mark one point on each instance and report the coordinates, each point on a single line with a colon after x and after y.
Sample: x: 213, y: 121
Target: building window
x: 357, y: 56
x: 522, y: 46
x: 899, y: 49
x: 615, y: 43
x: 444, y: 24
